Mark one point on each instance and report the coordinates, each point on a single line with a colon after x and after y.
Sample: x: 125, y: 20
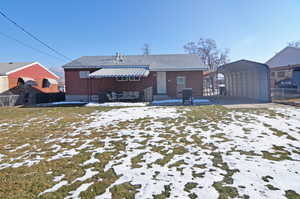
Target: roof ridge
x: 17, y: 62
x: 243, y: 60
x: 141, y: 55
x: 281, y: 51
x: 296, y: 48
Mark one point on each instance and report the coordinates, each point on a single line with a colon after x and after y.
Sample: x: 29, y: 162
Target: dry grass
x: 32, y: 128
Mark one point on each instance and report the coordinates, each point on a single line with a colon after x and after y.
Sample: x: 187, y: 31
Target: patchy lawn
x: 150, y: 152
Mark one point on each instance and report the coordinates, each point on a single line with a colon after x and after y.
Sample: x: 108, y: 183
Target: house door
x: 180, y: 85
x: 161, y: 83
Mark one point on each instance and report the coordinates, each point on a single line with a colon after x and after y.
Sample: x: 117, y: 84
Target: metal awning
x: 121, y: 72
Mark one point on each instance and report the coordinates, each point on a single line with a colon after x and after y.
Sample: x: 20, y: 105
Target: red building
x: 133, y: 76
x: 31, y: 74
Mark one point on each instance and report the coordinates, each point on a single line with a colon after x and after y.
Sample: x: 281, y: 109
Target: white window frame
x: 182, y: 80
x: 122, y: 79
x: 134, y: 78
x: 84, y: 74
x: 281, y: 74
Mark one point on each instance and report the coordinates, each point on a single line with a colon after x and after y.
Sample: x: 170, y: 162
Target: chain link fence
x: 285, y: 93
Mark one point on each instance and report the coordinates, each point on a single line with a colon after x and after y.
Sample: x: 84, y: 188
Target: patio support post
x: 90, y: 89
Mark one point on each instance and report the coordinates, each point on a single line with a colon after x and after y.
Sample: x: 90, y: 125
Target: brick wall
x: 35, y: 72
x: 194, y: 80
x: 82, y: 86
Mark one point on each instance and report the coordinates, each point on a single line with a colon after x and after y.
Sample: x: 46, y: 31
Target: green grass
x: 189, y: 186
x: 271, y: 187
x: 165, y: 194
x: 267, y: 178
x: 290, y: 194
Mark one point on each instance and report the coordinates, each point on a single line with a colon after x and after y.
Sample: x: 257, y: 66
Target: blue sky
x: 252, y: 30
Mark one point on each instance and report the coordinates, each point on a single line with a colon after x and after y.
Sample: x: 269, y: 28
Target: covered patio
x: 121, y: 83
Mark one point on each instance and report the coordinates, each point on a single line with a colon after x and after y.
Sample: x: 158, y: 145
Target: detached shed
x: 247, y: 79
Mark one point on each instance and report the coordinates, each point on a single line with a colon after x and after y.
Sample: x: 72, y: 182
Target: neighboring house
x: 24, y: 80
x: 285, y: 65
x: 163, y: 76
x: 14, y: 74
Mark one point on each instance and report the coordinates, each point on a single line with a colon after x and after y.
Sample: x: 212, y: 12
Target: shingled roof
x: 287, y: 57
x: 10, y: 66
x: 171, y: 62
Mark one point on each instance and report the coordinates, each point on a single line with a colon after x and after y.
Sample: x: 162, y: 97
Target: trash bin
x: 102, y: 97
x: 187, y: 96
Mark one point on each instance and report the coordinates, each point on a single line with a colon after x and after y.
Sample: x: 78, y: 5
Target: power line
x: 32, y: 36
x: 28, y: 46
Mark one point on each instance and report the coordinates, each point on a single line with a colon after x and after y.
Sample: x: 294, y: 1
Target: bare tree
x: 146, y: 49
x: 295, y: 44
x: 209, y: 53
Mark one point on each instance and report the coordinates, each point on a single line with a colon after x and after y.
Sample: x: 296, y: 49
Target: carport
x: 247, y: 79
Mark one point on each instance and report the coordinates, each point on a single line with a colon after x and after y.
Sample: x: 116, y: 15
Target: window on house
x: 281, y: 74
x: 84, y: 74
x: 46, y: 83
x: 20, y: 82
x: 134, y: 78
x: 122, y: 79
x: 180, y: 80
x: 273, y: 74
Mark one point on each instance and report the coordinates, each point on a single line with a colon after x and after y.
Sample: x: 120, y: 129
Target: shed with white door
x: 247, y: 79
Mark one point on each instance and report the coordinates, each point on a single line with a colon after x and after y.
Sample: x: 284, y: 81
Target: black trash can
x: 102, y: 97
x: 187, y: 96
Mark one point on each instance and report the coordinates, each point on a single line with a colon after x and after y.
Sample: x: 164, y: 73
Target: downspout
x: 89, y: 89
x: 91, y: 94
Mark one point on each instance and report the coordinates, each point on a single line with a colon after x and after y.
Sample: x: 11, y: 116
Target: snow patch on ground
x: 235, y: 139
x: 19, y: 147
x: 116, y: 116
x: 65, y: 154
x: 88, y: 174
x: 170, y: 102
x: 119, y: 104
x: 81, y: 188
x: 58, y: 178
x: 55, y: 187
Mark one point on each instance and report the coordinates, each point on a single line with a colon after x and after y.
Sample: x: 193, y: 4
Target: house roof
x: 287, y: 56
x: 171, y: 62
x: 11, y: 66
x: 241, y: 65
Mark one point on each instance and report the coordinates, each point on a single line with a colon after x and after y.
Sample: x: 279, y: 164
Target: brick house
x: 14, y: 74
x: 285, y: 65
x: 163, y: 75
